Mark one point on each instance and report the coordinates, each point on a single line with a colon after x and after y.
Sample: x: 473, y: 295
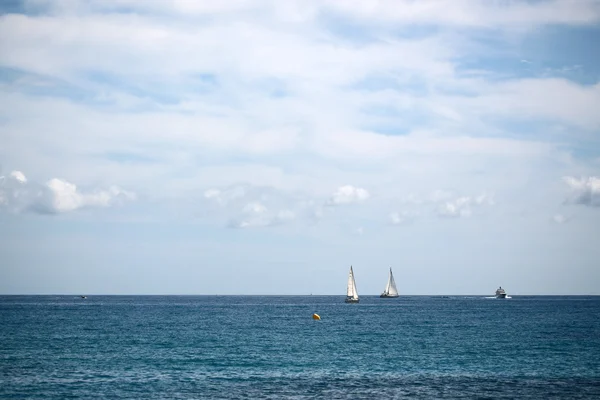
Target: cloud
x: 56, y: 196
x: 584, y: 191
x: 256, y: 215
x: 255, y: 208
x: 560, y: 218
x: 226, y: 196
x: 464, y: 13
x: 61, y: 196
x: 18, y: 176
x: 348, y: 194
x: 471, y: 13
x: 346, y: 96
x: 13, y: 190
x: 439, y: 202
x: 463, y: 206
x: 246, y: 206
x: 439, y: 195
x: 212, y: 194
x: 402, y: 217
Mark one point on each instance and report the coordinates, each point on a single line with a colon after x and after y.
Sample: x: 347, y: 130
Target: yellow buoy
x: 316, y: 317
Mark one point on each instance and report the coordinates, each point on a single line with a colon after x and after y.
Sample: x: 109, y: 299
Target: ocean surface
x: 260, y: 347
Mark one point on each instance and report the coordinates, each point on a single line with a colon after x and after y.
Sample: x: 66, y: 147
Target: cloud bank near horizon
x: 56, y: 196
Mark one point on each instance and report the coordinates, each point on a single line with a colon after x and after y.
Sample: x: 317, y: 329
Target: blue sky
x: 263, y: 147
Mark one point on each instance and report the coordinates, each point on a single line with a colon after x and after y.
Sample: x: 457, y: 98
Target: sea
x: 270, y: 347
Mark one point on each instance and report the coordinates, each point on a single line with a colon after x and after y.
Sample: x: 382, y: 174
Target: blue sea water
x: 259, y: 347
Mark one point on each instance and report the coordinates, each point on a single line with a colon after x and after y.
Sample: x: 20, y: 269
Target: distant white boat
x: 500, y: 293
x: 351, y: 293
x: 390, y: 289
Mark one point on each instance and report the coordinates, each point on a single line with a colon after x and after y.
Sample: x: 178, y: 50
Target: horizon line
x: 274, y: 295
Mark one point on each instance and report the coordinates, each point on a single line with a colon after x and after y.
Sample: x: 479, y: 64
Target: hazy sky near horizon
x: 263, y: 147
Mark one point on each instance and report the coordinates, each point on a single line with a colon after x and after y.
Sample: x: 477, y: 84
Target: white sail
x: 391, y: 287
x: 387, y: 286
x: 351, y: 291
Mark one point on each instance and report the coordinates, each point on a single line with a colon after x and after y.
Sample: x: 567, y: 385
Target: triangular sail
x: 391, y: 287
x: 387, y: 286
x: 351, y: 292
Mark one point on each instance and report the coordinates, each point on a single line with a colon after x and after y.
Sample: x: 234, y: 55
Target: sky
x: 263, y: 147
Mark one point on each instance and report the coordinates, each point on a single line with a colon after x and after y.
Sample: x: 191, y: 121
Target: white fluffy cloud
x: 245, y: 206
x: 402, y: 217
x: 262, y: 218
x: 226, y: 196
x: 13, y: 190
x: 463, y: 206
x: 441, y: 203
x: 584, y: 191
x: 61, y: 196
x: 255, y: 208
x: 18, y: 176
x: 348, y: 194
x: 460, y: 207
x: 55, y: 196
x: 256, y: 215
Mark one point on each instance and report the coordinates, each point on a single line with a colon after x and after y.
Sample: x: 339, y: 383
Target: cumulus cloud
x: 255, y: 208
x: 402, y: 217
x: 256, y: 215
x: 442, y: 203
x: 463, y: 206
x: 584, y: 191
x: 18, y: 176
x: 13, y: 190
x: 348, y: 194
x: 245, y: 206
x: 60, y: 196
x: 248, y: 206
x: 226, y: 196
x: 55, y: 196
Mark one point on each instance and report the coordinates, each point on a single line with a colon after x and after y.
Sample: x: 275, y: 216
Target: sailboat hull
x: 350, y: 300
x: 388, y: 296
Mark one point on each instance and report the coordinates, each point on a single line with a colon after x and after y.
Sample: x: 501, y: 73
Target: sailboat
x: 351, y: 293
x: 390, y: 288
